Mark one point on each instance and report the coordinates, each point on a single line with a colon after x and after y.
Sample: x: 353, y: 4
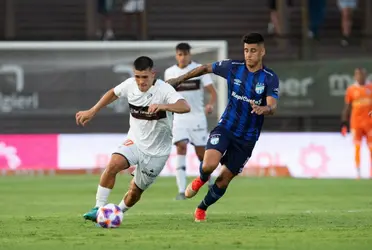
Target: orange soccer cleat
x: 200, y: 215
x: 193, y: 188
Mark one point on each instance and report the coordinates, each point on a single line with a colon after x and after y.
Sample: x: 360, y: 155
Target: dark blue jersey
x: 244, y: 86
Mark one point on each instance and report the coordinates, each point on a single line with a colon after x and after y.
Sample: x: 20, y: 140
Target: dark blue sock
x: 213, y: 195
x: 203, y: 176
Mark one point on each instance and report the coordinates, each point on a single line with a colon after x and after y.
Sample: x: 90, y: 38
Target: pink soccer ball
x: 109, y: 216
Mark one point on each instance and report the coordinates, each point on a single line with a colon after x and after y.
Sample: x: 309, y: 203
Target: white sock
x: 181, y: 173
x: 123, y: 207
x: 210, y: 181
x: 102, y: 196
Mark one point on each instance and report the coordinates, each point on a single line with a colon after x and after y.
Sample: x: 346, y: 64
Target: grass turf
x: 264, y: 213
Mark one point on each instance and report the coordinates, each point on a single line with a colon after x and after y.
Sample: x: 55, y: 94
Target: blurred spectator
x: 316, y: 16
x: 274, y: 26
x: 346, y: 8
x: 105, y: 8
x: 134, y: 8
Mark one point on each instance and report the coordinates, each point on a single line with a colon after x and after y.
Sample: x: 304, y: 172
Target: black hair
x: 143, y: 63
x: 253, y: 38
x: 183, y: 47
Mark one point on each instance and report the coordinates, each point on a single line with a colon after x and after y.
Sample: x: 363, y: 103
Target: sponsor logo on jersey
x: 189, y: 85
x: 245, y: 98
x: 143, y: 114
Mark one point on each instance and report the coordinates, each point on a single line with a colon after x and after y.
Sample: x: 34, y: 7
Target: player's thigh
x: 148, y: 169
x: 217, y: 144
x: 125, y: 155
x: 357, y: 134
x: 237, y: 155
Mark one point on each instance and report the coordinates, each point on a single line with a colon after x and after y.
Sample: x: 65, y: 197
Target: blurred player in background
x: 190, y: 127
x: 252, y: 93
x: 358, y: 104
x: 151, y: 104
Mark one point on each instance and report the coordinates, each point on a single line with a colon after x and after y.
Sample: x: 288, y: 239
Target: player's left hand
x: 259, y: 110
x: 209, y: 109
x: 370, y: 113
x: 154, y: 108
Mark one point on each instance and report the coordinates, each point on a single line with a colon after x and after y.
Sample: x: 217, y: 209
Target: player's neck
x: 257, y: 67
x: 183, y: 66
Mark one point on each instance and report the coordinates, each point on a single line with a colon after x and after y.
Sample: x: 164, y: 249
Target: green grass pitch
x: 45, y: 213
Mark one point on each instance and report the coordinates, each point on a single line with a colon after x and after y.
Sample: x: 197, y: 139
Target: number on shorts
x: 128, y: 143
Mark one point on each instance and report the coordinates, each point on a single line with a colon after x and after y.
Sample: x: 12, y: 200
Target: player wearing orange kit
x: 358, y: 104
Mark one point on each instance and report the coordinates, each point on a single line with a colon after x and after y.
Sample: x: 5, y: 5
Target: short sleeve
x: 206, y: 80
x: 121, y: 90
x: 273, y: 87
x: 348, y: 96
x: 170, y: 94
x: 166, y: 75
x: 222, y: 68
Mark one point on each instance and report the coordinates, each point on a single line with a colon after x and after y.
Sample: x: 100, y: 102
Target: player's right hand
x: 344, y: 128
x: 83, y: 117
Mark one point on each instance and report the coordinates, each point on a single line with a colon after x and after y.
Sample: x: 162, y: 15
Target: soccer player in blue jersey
x: 252, y: 93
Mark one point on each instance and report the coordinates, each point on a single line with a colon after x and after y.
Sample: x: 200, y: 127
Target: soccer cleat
x: 91, y: 215
x: 180, y: 196
x: 200, y: 215
x: 193, y: 188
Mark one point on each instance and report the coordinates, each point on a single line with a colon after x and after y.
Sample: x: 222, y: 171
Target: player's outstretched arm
x: 201, y: 70
x: 179, y: 107
x: 83, y: 117
x: 106, y: 99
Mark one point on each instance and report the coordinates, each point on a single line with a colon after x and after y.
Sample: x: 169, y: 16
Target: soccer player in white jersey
x: 190, y: 127
x: 152, y: 103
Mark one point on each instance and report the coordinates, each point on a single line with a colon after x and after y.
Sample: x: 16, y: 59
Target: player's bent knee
x: 211, y: 160
x: 117, y: 164
x: 209, y: 167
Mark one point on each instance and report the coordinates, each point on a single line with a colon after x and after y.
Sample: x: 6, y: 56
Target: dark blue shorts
x: 235, y: 152
x: 105, y: 6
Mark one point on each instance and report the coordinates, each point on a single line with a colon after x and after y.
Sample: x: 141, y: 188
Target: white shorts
x: 352, y: 4
x: 196, y: 135
x: 148, y: 166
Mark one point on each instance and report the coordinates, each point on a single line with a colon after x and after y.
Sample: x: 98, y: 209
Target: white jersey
x: 193, y: 92
x: 152, y: 133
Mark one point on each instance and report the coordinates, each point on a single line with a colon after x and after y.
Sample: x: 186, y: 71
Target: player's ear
x: 263, y: 50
